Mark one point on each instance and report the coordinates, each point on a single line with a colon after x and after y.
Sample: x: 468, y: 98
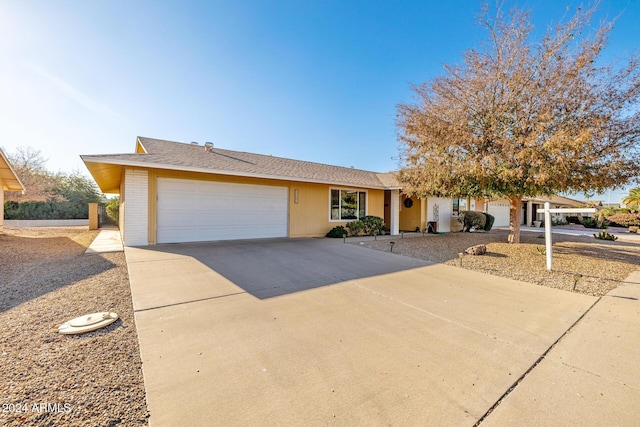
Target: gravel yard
x: 49, y: 379
x: 601, y: 264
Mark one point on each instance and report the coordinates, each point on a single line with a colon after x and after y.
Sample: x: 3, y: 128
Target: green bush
x: 58, y: 209
x: 573, y: 220
x: 489, y: 220
x: 472, y: 219
x: 588, y: 222
x: 372, y: 225
x: 337, y: 232
x: 113, y: 209
x: 355, y: 227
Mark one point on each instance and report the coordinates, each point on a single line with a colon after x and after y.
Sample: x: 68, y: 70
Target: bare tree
x: 524, y: 117
x: 29, y: 164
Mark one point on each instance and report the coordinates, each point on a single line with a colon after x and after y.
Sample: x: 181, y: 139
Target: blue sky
x: 310, y: 80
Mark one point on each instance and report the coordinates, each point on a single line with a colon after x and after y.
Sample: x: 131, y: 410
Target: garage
x: 500, y: 210
x: 192, y: 211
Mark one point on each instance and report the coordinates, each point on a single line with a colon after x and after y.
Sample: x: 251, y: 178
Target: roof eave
x: 16, y: 178
x: 150, y: 165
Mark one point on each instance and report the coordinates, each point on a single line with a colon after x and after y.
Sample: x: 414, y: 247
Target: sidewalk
x: 591, y: 376
x: 108, y: 240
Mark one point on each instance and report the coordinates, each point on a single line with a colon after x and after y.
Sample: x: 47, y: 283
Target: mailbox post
x: 547, y: 225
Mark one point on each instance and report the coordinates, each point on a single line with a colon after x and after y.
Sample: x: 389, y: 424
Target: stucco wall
x: 309, y: 217
x: 409, y: 217
x: 444, y: 212
x: 136, y: 211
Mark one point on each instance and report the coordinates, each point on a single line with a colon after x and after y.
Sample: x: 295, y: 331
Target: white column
x: 529, y: 213
x: 394, y: 221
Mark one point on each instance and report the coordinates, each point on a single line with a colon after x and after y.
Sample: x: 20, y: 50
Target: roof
x: 8, y: 177
x: 555, y: 200
x: 169, y: 155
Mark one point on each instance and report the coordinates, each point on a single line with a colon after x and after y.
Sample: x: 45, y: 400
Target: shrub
x: 355, y: 227
x: 489, y: 220
x: 603, y: 235
x: 337, y: 232
x: 588, y: 222
x: 472, y: 219
x: 573, y: 220
x: 372, y: 225
x: 558, y: 221
x: 113, y: 209
x: 625, y: 220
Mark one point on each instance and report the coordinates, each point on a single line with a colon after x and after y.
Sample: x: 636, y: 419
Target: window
x: 459, y: 205
x: 348, y: 205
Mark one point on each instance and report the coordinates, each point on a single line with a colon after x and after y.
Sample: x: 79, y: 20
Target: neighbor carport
x: 316, y: 332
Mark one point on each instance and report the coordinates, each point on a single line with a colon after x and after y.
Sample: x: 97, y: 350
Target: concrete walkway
x: 415, y: 345
x: 108, y: 240
x: 591, y: 377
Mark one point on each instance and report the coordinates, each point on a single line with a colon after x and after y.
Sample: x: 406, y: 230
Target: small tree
x: 113, y: 209
x: 524, y: 117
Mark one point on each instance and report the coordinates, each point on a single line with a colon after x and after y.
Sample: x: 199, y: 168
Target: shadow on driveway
x: 273, y: 267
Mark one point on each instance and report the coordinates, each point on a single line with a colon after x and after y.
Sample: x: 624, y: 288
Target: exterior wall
x: 136, y: 211
x: 308, y: 217
x: 444, y: 212
x: 410, y: 218
x: 1, y: 204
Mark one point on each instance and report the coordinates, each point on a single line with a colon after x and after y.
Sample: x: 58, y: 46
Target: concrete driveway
x: 317, y: 332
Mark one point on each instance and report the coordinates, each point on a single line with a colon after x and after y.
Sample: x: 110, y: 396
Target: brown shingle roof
x: 180, y: 156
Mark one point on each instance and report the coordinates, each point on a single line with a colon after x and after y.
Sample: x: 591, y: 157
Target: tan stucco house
x: 185, y: 192
x: 180, y: 192
x: 9, y: 181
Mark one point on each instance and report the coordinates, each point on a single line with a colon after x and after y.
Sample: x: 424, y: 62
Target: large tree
x: 524, y: 116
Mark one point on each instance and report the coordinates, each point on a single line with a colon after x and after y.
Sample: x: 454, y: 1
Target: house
x: 528, y: 209
x: 180, y: 192
x: 9, y: 181
x: 186, y: 192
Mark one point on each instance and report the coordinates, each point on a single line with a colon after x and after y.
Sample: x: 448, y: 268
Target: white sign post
x: 547, y: 224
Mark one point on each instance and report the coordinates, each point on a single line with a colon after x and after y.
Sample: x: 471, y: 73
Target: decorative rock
x: 476, y: 250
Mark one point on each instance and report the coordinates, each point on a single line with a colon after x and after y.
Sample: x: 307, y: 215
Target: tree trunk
x: 514, y: 218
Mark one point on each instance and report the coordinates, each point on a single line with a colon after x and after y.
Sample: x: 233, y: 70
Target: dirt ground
x: 580, y: 263
x: 49, y: 379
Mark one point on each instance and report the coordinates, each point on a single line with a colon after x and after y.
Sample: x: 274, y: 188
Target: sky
x: 308, y: 80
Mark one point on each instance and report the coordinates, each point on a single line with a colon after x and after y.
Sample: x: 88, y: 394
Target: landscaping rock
x: 476, y: 250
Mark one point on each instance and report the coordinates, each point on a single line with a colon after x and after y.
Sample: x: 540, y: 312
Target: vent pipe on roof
x: 208, y: 146
x: 194, y: 143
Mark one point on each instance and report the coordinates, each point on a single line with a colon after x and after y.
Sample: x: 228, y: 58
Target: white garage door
x: 193, y: 211
x: 500, y: 210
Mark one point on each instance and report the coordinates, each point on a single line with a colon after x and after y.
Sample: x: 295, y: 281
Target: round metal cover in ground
x: 88, y: 323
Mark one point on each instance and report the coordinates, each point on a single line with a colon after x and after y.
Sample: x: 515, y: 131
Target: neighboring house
x: 176, y: 192
x: 528, y: 209
x: 9, y: 181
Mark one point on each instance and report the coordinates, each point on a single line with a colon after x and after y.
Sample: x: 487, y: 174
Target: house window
x: 348, y: 205
x: 459, y: 205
